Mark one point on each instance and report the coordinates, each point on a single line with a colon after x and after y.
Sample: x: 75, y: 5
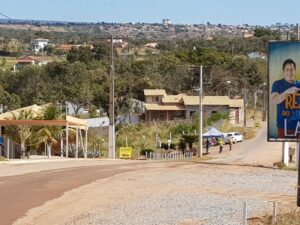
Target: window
x: 155, y: 99
x: 192, y: 113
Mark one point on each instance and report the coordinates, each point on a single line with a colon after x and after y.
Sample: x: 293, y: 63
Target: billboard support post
x: 298, y: 184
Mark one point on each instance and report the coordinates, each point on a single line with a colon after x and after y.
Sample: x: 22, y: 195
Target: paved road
x: 254, y: 151
x: 22, y: 192
x: 32, y: 185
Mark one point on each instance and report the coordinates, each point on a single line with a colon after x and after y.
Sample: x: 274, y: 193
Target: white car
x: 237, y: 137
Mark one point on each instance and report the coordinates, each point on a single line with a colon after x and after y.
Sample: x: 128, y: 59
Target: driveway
x: 255, y: 151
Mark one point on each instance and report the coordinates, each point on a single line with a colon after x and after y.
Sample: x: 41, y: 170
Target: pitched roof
x: 66, y: 46
x: 173, y: 98
x: 153, y: 92
x: 207, y: 100
x: 35, y: 109
x: 236, y: 103
x: 27, y: 58
x: 164, y: 107
x: 40, y: 39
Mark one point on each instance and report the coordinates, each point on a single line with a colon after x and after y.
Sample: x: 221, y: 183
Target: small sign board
x: 125, y: 152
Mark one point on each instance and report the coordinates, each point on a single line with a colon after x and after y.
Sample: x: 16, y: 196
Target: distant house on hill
x: 68, y: 47
x: 151, y: 45
x: 31, y: 60
x: 39, y: 44
x: 257, y: 55
x: 247, y: 35
x: 162, y: 107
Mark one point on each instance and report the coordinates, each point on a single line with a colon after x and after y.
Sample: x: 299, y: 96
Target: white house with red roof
x: 31, y: 60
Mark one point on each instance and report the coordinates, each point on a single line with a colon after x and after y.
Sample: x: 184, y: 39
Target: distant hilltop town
x: 166, y: 29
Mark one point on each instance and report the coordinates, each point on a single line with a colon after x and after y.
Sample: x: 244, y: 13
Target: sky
x: 234, y: 12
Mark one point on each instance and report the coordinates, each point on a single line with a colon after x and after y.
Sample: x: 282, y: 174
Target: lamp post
x: 200, y: 112
x: 264, y: 116
x: 200, y: 109
x: 111, y: 129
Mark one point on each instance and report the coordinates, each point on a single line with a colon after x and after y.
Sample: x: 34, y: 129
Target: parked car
x: 237, y: 137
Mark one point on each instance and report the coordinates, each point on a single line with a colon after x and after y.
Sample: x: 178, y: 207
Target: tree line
x: 83, y: 77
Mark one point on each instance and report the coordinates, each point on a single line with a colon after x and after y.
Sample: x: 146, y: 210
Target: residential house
x: 257, y: 55
x: 31, y: 60
x: 68, y: 47
x: 162, y: 107
x: 39, y: 44
x: 151, y: 45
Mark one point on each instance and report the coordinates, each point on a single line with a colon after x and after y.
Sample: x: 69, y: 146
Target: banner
x: 284, y: 91
x: 125, y: 152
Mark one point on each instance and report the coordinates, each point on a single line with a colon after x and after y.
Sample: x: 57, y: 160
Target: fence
x: 169, y: 156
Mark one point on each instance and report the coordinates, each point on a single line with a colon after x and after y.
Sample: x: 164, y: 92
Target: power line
x: 7, y: 17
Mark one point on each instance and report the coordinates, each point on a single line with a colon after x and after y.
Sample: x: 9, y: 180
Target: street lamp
x: 200, y: 94
x: 200, y: 112
x: 111, y: 129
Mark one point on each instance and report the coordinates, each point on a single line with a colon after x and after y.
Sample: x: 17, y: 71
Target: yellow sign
x: 125, y: 152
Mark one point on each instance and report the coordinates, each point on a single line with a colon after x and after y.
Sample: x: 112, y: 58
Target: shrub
x: 165, y: 146
x: 2, y: 158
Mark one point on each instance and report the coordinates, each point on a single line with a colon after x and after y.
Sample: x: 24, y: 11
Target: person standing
x: 230, y: 143
x: 207, y: 145
x: 221, y: 143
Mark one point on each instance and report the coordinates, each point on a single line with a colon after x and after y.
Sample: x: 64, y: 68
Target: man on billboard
x: 285, y: 94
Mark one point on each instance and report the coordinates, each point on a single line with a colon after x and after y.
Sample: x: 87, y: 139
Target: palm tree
x: 50, y: 134
x: 20, y: 133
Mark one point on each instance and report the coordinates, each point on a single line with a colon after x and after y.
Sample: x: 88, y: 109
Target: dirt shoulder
x: 169, y: 193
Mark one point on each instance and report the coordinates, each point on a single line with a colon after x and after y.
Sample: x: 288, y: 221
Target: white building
x: 39, y: 44
x: 166, y: 22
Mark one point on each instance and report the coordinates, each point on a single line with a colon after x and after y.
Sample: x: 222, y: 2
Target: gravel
x: 212, y: 195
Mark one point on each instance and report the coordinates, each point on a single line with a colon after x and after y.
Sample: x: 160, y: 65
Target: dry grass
x: 288, y: 218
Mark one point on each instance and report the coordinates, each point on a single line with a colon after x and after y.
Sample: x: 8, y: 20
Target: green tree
x: 21, y: 133
x: 50, y: 134
x: 82, y: 54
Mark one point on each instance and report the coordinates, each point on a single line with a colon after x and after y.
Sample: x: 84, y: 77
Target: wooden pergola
x: 79, y: 124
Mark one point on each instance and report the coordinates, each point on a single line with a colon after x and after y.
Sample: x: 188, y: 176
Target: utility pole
x: 200, y: 112
x: 245, y: 108
x: 111, y: 129
x: 264, y: 117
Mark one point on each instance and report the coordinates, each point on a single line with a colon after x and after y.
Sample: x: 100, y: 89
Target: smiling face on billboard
x: 289, y: 71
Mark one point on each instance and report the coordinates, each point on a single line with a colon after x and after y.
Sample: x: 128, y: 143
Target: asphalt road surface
x: 26, y: 186
x: 254, y: 151
x: 22, y: 192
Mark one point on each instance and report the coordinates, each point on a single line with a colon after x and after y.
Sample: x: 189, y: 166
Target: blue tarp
x: 212, y: 133
x: 1, y: 140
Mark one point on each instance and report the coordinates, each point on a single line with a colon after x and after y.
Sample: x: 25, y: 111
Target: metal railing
x: 169, y: 156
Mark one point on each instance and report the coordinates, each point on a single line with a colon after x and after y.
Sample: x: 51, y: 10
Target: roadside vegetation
x: 287, y: 218
x: 184, y: 134
x: 81, y: 76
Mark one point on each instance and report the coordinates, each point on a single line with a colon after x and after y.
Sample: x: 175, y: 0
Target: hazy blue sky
x: 263, y: 12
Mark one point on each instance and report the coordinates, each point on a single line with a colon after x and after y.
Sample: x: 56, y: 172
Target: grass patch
x: 288, y: 218
x: 2, y: 158
x: 282, y: 166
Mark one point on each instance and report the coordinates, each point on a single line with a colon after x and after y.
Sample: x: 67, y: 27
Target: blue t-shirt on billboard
x: 280, y: 86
